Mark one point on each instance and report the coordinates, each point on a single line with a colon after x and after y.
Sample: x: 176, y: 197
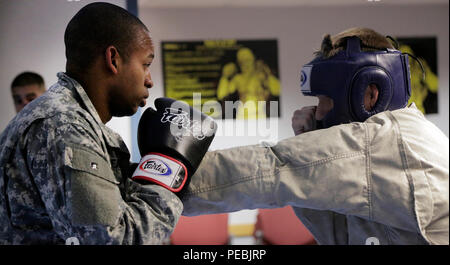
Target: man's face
x: 22, y: 95
x: 131, y: 91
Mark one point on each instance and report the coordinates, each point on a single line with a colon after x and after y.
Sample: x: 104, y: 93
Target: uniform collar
x: 113, y: 139
x: 412, y: 106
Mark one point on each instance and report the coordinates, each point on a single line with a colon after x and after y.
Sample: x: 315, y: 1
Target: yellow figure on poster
x: 254, y: 83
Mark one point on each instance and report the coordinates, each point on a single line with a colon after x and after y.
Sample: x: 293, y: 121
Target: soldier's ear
x: 112, y: 59
x: 371, y: 97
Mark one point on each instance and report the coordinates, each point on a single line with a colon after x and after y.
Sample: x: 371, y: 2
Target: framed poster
x: 424, y: 89
x: 233, y: 79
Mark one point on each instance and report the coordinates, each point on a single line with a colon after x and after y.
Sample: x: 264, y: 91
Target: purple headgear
x: 345, y: 77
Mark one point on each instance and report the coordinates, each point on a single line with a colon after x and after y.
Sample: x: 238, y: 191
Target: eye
x: 18, y: 101
x: 31, y: 97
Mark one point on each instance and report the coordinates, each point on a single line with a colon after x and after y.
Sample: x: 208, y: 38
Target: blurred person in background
x: 26, y: 87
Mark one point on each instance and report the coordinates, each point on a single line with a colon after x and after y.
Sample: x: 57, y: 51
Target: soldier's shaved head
x: 95, y: 27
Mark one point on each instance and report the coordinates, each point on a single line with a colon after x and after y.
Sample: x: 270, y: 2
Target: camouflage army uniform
x: 64, y: 178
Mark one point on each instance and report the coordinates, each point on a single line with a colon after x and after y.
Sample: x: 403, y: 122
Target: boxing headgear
x: 345, y: 77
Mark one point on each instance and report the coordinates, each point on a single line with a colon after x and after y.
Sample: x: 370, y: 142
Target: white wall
x: 32, y: 39
x: 299, y: 31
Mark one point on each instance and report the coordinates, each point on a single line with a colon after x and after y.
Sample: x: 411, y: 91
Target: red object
x: 281, y: 226
x: 158, y: 182
x: 209, y: 229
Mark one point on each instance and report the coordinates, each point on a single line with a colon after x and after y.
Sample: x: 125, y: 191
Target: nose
x: 325, y: 105
x: 25, y: 102
x: 148, y: 83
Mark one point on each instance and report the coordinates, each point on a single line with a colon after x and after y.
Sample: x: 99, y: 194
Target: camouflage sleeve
x: 82, y: 196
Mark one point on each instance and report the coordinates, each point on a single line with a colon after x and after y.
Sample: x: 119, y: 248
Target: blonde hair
x: 370, y: 41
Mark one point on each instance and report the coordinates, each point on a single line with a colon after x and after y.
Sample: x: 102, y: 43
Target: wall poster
x: 424, y: 92
x: 233, y: 79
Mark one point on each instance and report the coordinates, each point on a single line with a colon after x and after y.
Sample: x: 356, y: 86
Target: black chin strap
x: 396, y: 45
x: 420, y: 63
x: 395, y: 42
x: 319, y: 124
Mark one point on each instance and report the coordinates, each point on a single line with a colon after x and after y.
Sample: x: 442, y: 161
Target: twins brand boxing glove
x: 172, y: 141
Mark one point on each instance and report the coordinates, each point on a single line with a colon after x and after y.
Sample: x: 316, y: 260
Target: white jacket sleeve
x: 360, y: 169
x: 310, y: 170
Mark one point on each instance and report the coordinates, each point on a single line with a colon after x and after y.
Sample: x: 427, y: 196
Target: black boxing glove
x: 172, y: 140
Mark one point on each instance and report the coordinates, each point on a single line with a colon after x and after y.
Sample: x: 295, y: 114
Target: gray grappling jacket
x: 382, y: 181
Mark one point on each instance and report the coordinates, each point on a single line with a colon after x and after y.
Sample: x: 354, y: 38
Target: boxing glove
x: 172, y: 140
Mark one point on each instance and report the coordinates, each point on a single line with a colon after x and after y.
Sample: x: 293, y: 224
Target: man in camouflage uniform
x: 64, y: 175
